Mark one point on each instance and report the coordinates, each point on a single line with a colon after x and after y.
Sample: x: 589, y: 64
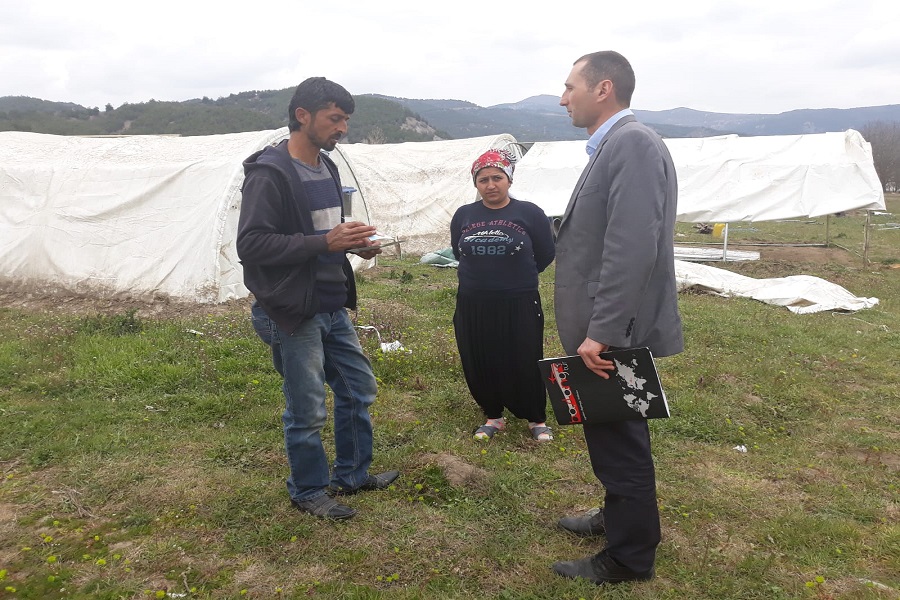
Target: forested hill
x: 376, y: 120
x: 386, y: 119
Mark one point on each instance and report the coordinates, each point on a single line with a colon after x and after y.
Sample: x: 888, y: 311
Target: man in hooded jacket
x: 292, y: 242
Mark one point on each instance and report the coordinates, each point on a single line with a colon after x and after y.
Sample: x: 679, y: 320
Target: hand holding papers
x: 380, y: 241
x: 578, y: 395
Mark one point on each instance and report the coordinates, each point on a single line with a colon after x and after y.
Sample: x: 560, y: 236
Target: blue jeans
x: 324, y: 349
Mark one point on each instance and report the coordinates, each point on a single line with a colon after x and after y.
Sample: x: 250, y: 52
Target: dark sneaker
x: 324, y: 507
x: 372, y: 483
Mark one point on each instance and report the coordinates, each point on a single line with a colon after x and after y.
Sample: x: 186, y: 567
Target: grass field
x: 142, y: 456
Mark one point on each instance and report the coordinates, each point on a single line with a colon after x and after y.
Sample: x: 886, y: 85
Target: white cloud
x: 737, y: 56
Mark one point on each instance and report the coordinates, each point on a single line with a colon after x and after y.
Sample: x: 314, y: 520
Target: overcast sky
x: 741, y: 56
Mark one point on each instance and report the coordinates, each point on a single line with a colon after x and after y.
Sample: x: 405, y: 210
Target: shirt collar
x: 594, y: 142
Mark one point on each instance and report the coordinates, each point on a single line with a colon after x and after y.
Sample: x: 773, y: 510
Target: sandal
x: 487, y: 431
x: 541, y: 433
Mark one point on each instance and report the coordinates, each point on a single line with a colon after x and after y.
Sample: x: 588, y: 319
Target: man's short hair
x: 317, y: 93
x: 611, y: 65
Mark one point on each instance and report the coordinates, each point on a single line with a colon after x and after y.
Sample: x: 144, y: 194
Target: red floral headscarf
x: 495, y: 157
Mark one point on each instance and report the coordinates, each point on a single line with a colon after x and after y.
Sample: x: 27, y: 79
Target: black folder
x: 578, y: 395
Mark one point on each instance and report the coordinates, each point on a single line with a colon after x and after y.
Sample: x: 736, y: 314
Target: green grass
x: 140, y: 459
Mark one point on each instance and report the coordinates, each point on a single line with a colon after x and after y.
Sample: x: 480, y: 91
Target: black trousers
x: 500, y: 338
x: 621, y: 459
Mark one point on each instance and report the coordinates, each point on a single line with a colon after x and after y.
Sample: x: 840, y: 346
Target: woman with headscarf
x: 502, y: 244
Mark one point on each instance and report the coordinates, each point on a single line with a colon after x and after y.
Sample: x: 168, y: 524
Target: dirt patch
x: 772, y: 258
x: 8, y: 521
x: 832, y: 263
x: 86, y: 305
x: 889, y: 460
x: 7, y: 513
x: 856, y: 587
x: 457, y: 471
x: 805, y: 254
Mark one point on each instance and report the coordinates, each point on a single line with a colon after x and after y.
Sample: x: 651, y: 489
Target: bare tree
x: 885, y: 139
x: 376, y: 136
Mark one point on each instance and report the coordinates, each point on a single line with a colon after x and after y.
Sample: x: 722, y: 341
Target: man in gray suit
x: 615, y: 288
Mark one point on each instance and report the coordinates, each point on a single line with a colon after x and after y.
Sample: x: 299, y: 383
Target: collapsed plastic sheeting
x: 412, y: 189
x: 141, y: 216
x: 801, y: 294
x: 729, y: 178
x: 440, y: 258
x: 720, y: 254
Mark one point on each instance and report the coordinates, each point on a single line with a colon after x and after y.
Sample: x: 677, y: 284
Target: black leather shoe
x: 372, y: 483
x: 324, y: 507
x: 589, y: 524
x: 600, y: 568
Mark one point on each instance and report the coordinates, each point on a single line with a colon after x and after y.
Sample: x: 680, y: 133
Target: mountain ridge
x: 383, y: 119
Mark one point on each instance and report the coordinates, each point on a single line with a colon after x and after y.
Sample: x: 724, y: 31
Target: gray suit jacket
x: 615, y: 272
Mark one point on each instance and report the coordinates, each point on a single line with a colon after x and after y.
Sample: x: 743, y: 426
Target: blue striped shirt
x: 325, y: 207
